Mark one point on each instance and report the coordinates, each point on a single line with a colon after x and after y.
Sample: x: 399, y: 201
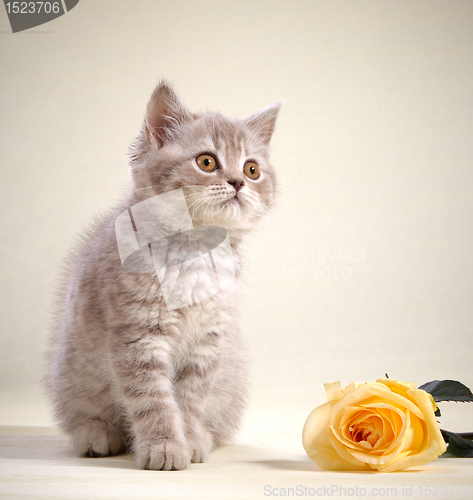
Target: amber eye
x: 251, y: 170
x: 206, y: 162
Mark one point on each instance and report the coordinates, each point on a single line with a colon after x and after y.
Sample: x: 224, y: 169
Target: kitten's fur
x: 126, y: 373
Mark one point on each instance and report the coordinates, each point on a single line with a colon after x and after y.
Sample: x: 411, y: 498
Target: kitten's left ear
x: 165, y: 111
x: 263, y: 122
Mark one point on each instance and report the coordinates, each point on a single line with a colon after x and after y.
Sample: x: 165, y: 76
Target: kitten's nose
x: 236, y: 183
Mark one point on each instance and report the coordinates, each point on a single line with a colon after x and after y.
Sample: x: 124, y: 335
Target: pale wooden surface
x: 38, y: 462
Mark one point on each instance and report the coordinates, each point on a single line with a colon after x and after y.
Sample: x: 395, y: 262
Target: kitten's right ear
x: 165, y: 111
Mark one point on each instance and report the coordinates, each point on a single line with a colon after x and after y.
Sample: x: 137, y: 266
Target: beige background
x: 365, y: 268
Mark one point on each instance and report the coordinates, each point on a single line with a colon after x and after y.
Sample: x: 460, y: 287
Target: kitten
x: 128, y: 372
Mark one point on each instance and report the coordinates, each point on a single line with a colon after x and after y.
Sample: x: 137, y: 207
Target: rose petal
x: 393, y: 418
x: 398, y: 419
x: 341, y: 431
x: 386, y: 456
x: 433, y: 444
x: 369, y: 394
x: 386, y: 453
x: 414, y: 437
x: 356, y: 417
x: 402, y: 388
x: 333, y: 390
x: 317, y: 444
x: 352, y: 387
x: 390, y: 421
x: 353, y: 416
x: 396, y: 386
x: 384, y: 431
x: 393, y: 465
x: 354, y: 464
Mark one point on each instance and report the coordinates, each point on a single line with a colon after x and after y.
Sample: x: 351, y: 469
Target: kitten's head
x: 221, y: 164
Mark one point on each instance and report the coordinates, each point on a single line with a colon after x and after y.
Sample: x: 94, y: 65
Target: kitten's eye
x: 251, y: 170
x: 206, y: 162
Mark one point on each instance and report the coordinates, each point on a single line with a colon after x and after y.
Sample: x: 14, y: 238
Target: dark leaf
x: 459, y: 446
x: 447, y: 390
x: 437, y: 412
x: 464, y: 435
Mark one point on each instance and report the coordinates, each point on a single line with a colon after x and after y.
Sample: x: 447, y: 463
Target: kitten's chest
x: 192, y: 270
x: 200, y: 336
x: 198, y: 331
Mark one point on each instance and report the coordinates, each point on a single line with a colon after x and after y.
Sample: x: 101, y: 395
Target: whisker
x: 297, y: 176
x: 203, y: 202
x: 148, y: 187
x: 188, y: 212
x: 205, y: 211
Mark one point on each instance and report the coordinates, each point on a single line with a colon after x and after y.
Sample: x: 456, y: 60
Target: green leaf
x: 447, y: 390
x: 459, y: 446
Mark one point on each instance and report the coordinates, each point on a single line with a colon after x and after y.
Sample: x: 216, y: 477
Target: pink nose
x: 236, y: 183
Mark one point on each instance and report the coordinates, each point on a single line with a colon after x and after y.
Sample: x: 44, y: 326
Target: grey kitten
x: 126, y: 371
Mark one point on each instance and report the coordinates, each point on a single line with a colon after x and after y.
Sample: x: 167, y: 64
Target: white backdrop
x: 366, y: 266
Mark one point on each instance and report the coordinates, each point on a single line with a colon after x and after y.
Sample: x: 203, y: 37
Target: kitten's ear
x: 165, y: 111
x: 263, y: 122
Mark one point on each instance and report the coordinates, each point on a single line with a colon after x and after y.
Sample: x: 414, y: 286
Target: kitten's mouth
x: 234, y: 200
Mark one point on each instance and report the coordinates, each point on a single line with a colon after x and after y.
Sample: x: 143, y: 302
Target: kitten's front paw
x: 163, y: 454
x: 200, y: 444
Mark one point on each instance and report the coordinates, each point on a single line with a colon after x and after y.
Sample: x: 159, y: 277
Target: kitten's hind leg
x: 97, y: 438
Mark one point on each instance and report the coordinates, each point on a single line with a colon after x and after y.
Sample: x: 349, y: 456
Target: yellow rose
x: 384, y: 425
